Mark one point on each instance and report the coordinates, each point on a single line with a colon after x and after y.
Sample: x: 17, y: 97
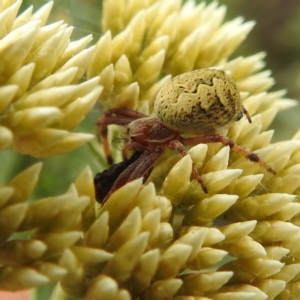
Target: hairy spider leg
x: 245, y: 111
x: 176, y: 145
x: 104, y: 180
x: 216, y: 138
x: 117, y: 116
x: 127, y: 147
x: 147, y: 160
x: 135, y: 170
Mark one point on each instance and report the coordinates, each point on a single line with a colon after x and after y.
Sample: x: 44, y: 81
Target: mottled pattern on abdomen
x: 199, y: 100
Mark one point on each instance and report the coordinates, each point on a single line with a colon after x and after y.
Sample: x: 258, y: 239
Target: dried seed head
x: 200, y: 100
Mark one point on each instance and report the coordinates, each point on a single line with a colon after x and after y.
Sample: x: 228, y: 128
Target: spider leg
x: 104, y: 180
x: 146, y: 162
x: 216, y: 138
x: 135, y: 170
x: 245, y: 111
x: 177, y: 145
x: 117, y: 116
x: 125, y: 150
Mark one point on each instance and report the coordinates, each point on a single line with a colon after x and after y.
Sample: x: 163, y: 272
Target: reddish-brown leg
x: 247, y: 114
x: 137, y: 169
x: 104, y: 180
x: 176, y: 145
x: 117, y: 116
x: 216, y: 138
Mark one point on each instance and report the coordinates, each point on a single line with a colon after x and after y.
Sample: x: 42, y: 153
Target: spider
x: 194, y: 103
x: 105, y: 180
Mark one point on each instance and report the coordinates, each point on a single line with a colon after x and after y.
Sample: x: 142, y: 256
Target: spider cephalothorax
x: 197, y: 103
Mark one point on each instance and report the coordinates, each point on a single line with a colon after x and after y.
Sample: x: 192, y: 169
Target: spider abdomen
x: 197, y: 101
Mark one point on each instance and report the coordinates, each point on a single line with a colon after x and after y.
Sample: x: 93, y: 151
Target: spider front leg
x: 176, y: 145
x: 117, y: 116
x: 216, y: 138
x: 104, y: 181
x: 138, y: 168
x: 245, y: 112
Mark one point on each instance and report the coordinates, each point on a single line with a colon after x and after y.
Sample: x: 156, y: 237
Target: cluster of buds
x: 41, y: 98
x: 165, y: 239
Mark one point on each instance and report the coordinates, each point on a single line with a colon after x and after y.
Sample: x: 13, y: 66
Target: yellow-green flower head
x: 144, y: 43
x: 41, y: 100
x: 165, y: 239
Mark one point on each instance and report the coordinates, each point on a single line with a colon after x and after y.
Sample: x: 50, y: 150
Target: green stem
x: 99, y: 158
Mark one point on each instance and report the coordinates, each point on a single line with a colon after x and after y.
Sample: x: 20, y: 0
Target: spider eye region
x: 199, y: 100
